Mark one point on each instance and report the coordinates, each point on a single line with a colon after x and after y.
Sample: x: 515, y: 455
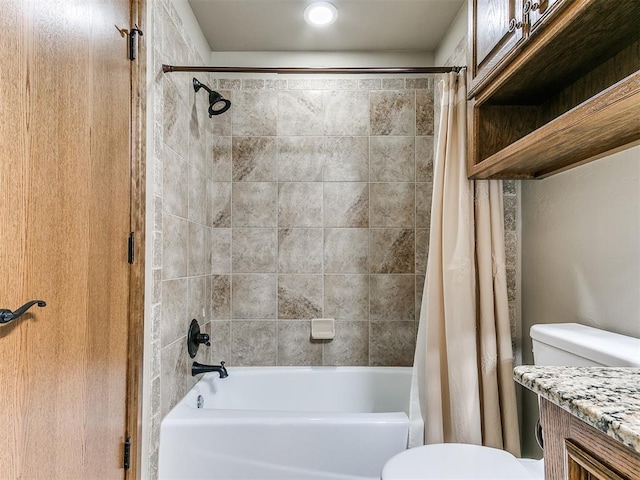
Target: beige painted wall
x: 581, y: 246
x: 581, y: 251
x: 322, y: 59
x: 456, y: 33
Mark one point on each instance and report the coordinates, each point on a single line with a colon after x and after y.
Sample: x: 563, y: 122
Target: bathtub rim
x: 184, y: 411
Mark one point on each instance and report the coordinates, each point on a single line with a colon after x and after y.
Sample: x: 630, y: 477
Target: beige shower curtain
x: 462, y: 387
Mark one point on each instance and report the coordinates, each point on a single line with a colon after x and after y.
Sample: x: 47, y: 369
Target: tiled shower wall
x: 321, y: 198
x: 179, y: 169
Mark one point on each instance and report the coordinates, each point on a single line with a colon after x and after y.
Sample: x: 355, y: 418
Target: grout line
x: 277, y: 207
x: 369, y: 238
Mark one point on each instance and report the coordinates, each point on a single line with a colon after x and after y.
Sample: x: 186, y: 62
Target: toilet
x: 562, y: 344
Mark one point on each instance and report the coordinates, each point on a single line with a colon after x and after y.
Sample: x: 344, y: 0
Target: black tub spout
x: 198, y: 368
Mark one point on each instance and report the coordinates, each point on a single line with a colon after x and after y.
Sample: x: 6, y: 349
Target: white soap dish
x: 323, y: 328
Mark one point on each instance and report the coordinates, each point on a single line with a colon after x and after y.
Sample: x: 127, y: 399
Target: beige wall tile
x: 175, y: 246
x: 175, y: 199
x: 393, y: 112
x: 420, y: 279
x: 419, y: 83
x: 346, y: 204
x: 392, y: 205
x: 174, y: 320
x: 300, y: 159
x: 300, y: 250
x: 221, y: 166
x: 300, y: 204
x: 300, y: 296
x: 422, y: 250
x: 424, y: 159
x: 392, y: 250
x: 221, y: 297
x: 392, y: 297
x: 392, y: 159
x: 424, y: 194
x: 346, y: 112
x: 253, y: 296
x: 198, y: 199
x: 199, y: 299
x: 510, y: 212
x: 295, y: 346
x: 200, y: 250
x: 300, y: 112
x: 254, y: 159
x: 254, y: 112
x: 220, y: 349
x: 254, y: 250
x: 254, y: 204
x: 253, y: 343
x: 346, y: 159
x: 350, y: 345
x: 219, y: 204
x: 175, y: 119
x: 346, y: 297
x: 424, y: 112
x: 392, y: 343
x: 174, y: 372
x: 346, y: 250
x: 392, y: 83
x: 221, y: 250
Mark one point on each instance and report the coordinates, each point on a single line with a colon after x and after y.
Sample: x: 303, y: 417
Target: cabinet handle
x: 513, y: 24
x: 530, y: 6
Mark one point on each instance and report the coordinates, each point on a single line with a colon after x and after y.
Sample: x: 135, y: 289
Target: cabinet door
x: 537, y: 10
x: 582, y: 464
x: 496, y: 30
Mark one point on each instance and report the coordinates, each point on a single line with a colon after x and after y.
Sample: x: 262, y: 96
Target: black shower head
x: 217, y: 103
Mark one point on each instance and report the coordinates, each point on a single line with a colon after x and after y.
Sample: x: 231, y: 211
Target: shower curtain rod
x: 293, y: 70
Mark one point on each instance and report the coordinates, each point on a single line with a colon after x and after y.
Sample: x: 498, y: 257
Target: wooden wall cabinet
x: 558, y: 90
x: 536, y: 11
x: 574, y: 450
x: 497, y: 30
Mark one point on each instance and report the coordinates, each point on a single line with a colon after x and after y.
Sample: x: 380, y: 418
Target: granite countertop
x: 604, y: 397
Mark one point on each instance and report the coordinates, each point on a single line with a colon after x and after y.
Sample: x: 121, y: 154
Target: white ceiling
x: 362, y: 25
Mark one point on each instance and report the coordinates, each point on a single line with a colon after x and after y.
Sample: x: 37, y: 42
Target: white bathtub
x: 296, y: 423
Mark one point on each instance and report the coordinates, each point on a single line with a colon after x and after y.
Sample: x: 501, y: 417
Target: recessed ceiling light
x: 320, y: 14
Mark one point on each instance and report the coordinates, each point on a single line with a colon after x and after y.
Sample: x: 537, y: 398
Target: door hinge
x: 133, y: 42
x: 126, y: 457
x: 131, y: 247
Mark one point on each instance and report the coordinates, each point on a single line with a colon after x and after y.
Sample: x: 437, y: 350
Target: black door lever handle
x: 7, y: 315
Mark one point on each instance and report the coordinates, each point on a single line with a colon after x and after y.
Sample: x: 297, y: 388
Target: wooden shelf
x: 605, y: 123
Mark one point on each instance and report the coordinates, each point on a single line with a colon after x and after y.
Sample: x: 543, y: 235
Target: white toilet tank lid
x: 607, y: 348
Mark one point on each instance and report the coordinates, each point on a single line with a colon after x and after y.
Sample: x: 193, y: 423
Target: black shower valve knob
x: 203, y: 338
x: 195, y: 338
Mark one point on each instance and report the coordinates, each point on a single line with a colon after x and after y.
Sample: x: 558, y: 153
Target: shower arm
x: 197, y: 85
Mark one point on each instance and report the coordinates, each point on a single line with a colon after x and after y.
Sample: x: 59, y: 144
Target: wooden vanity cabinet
x: 563, y: 91
x: 574, y: 450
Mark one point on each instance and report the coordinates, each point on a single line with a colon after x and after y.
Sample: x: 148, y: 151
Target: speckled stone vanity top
x: 603, y: 397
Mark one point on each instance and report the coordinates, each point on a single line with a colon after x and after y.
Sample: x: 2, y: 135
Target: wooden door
x: 65, y: 205
x: 497, y: 28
